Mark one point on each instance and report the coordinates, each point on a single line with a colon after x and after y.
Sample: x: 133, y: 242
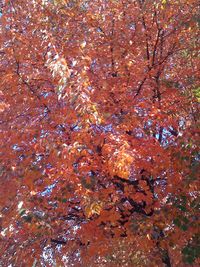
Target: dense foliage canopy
x: 99, y: 133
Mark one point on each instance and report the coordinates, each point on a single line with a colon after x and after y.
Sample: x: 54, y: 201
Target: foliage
x: 99, y: 119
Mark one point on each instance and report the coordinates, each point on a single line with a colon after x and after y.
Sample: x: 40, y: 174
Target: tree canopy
x: 99, y: 133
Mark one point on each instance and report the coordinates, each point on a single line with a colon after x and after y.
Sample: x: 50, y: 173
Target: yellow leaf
x: 93, y: 208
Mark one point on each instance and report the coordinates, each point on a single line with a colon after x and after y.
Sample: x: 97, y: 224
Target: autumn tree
x: 99, y: 133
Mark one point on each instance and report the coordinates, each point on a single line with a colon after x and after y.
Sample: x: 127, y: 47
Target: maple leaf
x: 99, y: 107
x: 93, y: 208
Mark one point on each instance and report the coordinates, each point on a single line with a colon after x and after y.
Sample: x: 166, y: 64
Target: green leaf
x: 190, y: 253
x: 22, y: 212
x: 182, y: 207
x: 28, y: 218
x: 189, y: 259
x: 177, y: 222
x: 184, y: 227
